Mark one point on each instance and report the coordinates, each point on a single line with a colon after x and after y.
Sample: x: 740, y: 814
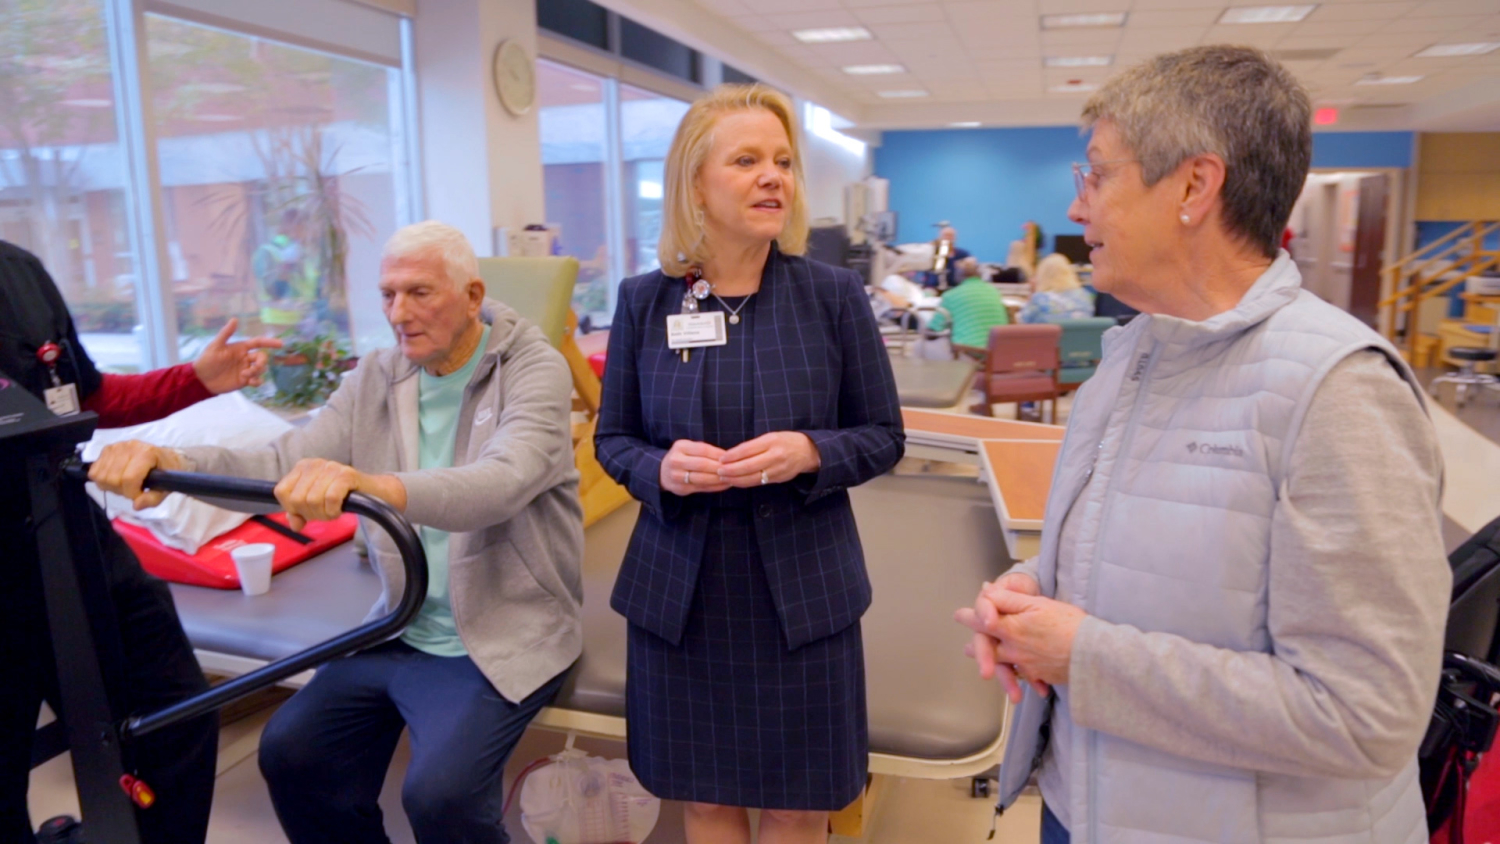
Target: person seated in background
x: 973, y: 308
x: 1056, y: 293
x: 896, y: 299
x: 158, y: 667
x: 949, y: 277
x: 464, y: 428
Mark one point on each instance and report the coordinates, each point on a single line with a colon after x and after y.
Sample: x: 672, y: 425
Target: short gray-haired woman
x: 1234, y: 627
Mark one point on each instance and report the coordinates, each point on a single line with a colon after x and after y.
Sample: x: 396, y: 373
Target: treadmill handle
x: 413, y: 561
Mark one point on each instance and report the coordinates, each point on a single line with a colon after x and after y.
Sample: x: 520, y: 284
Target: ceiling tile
x: 1455, y: 8
x: 1058, y: 7
x: 865, y: 4
x: 935, y: 33
x: 1161, y: 40
x: 727, y: 7
x: 853, y: 52
x: 777, y: 38
x: 793, y: 21
x: 924, y: 13
x: 1181, y: 4
x: 989, y: 10
x: 1411, y: 24
x: 1081, y: 39
x: 1358, y: 11
x: 1319, y: 43
x: 753, y: 23
x: 772, y: 7
x: 1335, y: 28
x: 1397, y: 38
x: 982, y: 48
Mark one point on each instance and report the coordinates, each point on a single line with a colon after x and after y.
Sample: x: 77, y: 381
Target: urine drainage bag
x: 582, y: 799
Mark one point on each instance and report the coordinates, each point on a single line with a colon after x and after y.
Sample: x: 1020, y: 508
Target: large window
x: 574, y: 160
x: 171, y: 175
x: 277, y: 182
x: 604, y: 144
x: 62, y: 172
x: 647, y: 123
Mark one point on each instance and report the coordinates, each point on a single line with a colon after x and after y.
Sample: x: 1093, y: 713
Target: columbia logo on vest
x: 1206, y: 448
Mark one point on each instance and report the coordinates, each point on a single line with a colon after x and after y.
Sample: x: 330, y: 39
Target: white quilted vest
x: 1191, y: 425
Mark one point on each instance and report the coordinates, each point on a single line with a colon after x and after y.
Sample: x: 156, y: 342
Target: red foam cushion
x: 212, y: 565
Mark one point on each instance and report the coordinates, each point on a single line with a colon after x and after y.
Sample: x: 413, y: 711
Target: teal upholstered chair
x: 1080, y: 348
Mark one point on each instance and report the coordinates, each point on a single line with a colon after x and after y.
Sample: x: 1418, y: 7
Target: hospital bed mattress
x: 929, y: 541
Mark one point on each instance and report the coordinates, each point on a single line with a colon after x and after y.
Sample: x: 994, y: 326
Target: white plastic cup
x: 253, y: 563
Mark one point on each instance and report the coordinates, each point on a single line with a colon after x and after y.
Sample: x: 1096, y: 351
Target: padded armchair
x: 1079, y: 350
x: 1021, y: 364
x: 539, y: 289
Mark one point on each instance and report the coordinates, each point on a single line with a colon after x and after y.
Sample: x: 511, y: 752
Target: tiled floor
x: 908, y: 812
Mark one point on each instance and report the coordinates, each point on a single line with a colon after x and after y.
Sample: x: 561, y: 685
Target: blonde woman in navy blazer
x: 744, y: 581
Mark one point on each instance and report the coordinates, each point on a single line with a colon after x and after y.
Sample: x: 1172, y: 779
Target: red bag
x: 212, y: 566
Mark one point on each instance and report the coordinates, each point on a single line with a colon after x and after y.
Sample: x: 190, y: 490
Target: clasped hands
x: 691, y: 467
x: 1020, y: 636
x: 314, y: 490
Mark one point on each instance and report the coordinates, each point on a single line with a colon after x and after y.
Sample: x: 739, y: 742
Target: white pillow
x: 230, y: 421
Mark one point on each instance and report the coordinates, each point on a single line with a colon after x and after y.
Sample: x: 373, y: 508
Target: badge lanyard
x: 697, y: 290
x: 62, y: 399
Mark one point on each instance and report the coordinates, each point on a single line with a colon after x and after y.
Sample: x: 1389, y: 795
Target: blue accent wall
x: 1362, y: 149
x: 988, y: 182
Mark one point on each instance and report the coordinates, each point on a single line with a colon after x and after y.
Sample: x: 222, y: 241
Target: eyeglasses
x: 1086, y: 180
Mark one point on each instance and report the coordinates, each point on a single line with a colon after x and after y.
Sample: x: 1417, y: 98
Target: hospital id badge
x: 696, y: 331
x: 62, y: 400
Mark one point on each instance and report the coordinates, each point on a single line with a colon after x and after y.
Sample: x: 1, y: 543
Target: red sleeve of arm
x: 124, y: 400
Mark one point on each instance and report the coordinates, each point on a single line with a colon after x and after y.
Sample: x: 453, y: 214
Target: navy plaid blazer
x: 820, y: 368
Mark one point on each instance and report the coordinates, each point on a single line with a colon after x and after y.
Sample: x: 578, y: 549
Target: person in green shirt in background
x: 973, y: 308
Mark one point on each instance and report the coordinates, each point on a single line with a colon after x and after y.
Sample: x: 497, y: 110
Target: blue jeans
x: 324, y: 754
x: 1053, y: 832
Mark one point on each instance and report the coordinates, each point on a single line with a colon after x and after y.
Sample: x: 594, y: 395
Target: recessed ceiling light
x: 1388, y: 80
x: 1265, y: 14
x: 1074, y: 88
x: 966, y: 124
x: 873, y: 69
x: 1079, y: 61
x: 87, y: 102
x: 1438, y: 51
x: 831, y: 34
x: 901, y: 95
x: 1095, y: 19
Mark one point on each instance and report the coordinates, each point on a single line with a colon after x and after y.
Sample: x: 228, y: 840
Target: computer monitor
x: 881, y: 226
x: 1072, y: 247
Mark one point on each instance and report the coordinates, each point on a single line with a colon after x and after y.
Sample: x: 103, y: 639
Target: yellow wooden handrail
x: 1418, y: 252
x: 1478, y: 229
x: 1449, y: 284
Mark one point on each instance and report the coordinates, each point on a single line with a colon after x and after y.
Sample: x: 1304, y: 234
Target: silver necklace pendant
x: 734, y: 319
x: 701, y: 289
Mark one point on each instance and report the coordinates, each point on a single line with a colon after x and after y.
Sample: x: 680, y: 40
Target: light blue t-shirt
x: 433, y: 631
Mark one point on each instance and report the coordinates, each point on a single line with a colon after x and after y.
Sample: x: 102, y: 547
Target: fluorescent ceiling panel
x: 1074, y: 88
x: 1388, y: 80
x: 830, y: 35
x: 873, y: 69
x: 1438, y: 51
x: 1265, y: 14
x: 902, y: 95
x: 1083, y: 20
x: 1079, y: 61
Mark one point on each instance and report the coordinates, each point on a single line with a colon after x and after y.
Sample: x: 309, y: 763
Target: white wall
x: 828, y: 167
x: 482, y: 165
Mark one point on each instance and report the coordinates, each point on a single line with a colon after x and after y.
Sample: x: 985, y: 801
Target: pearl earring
x: 1186, y: 219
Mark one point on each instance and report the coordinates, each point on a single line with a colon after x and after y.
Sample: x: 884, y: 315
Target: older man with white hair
x: 464, y: 427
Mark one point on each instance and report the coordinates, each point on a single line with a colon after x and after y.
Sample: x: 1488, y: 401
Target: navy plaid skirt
x: 731, y: 716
